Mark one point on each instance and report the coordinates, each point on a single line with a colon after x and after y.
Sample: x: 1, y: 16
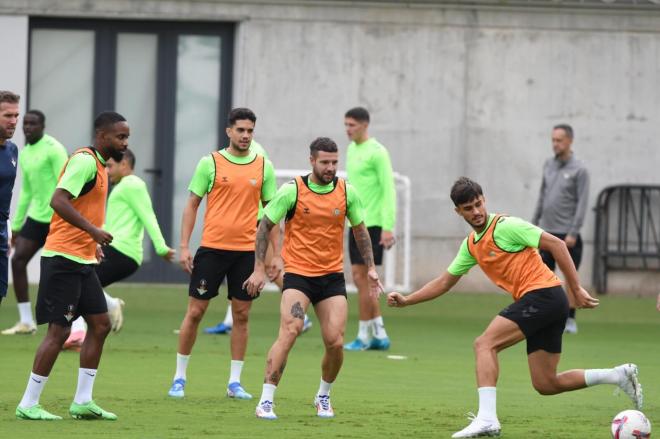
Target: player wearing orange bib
x: 233, y: 181
x: 506, y: 250
x: 69, y: 286
x: 316, y: 207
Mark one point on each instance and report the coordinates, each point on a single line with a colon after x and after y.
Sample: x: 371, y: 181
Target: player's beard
x: 324, y: 178
x: 116, y: 155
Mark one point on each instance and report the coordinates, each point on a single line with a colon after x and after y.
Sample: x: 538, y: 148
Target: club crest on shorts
x: 69, y: 315
x: 201, y: 289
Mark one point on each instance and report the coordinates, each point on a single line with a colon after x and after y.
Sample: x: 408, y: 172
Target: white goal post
x: 396, y: 261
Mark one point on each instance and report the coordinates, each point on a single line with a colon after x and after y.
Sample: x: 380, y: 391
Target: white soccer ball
x: 631, y: 424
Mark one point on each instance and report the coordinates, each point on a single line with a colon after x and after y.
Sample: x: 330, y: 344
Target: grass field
x: 424, y: 396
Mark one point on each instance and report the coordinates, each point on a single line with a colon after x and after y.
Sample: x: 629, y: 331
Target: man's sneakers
x: 375, y: 344
x: 629, y: 383
x: 117, y: 316
x: 571, y: 326
x: 20, y: 328
x: 176, y: 391
x: 356, y: 345
x: 479, y: 428
x: 90, y: 411
x: 307, y: 324
x: 264, y: 410
x: 35, y: 413
x: 220, y: 328
x: 234, y: 390
x: 323, y: 406
x: 75, y: 341
x: 379, y: 344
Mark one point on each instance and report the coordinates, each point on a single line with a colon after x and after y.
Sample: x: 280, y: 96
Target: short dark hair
x: 465, y: 190
x: 322, y: 144
x: 358, y: 113
x: 240, y: 114
x: 9, y: 97
x: 129, y: 156
x: 566, y: 127
x: 106, y: 119
x: 40, y: 115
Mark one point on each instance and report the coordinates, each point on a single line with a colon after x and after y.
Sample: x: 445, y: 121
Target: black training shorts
x: 376, y: 247
x: 211, y: 266
x: 114, y: 266
x: 67, y: 290
x: 34, y: 231
x: 541, y: 315
x: 316, y: 288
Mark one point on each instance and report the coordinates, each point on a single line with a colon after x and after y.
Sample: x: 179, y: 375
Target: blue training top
x: 8, y: 162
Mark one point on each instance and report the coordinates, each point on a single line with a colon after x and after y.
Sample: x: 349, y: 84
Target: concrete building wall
x: 452, y: 91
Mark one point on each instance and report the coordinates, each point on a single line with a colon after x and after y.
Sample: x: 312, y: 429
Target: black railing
x: 627, y: 231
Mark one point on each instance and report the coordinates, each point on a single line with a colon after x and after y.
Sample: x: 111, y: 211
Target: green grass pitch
x: 423, y: 396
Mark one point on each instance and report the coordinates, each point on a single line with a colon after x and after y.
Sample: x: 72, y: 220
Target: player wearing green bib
x: 370, y: 171
x: 129, y: 213
x: 40, y: 163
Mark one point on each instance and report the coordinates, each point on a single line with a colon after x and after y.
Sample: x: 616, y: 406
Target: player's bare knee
x: 358, y: 274
x: 334, y: 343
x: 240, y: 317
x: 19, y: 261
x: 195, y: 314
x: 482, y: 343
x: 544, y: 386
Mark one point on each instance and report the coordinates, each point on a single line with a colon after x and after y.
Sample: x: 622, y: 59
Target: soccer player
x: 233, y: 180
x: 315, y: 207
x: 505, y: 249
x: 370, y: 171
x: 129, y: 213
x: 40, y: 162
x: 69, y: 286
x: 9, y: 113
x: 562, y: 203
x: 274, y: 265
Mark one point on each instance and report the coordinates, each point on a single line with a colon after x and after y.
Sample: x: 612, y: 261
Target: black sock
x: 571, y: 313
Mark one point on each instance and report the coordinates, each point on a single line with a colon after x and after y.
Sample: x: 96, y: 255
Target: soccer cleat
x: 20, y: 328
x: 234, y: 390
x: 629, y: 383
x: 356, y: 345
x: 307, y: 324
x: 571, y: 326
x: 265, y: 411
x: 379, y: 344
x: 220, y: 328
x: 90, y: 411
x: 479, y: 428
x: 323, y: 406
x: 75, y: 341
x: 35, y: 413
x: 117, y: 316
x: 176, y: 391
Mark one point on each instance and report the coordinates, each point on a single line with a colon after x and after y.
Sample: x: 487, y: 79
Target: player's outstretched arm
x: 61, y: 203
x: 363, y: 242
x: 559, y: 251
x: 437, y: 287
x: 255, y: 283
x: 187, y: 225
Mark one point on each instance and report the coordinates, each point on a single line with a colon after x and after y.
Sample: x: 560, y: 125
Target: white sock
x: 110, y: 301
x: 235, y: 371
x: 268, y: 393
x: 33, y: 391
x: 78, y: 325
x: 593, y: 377
x: 25, y: 313
x: 363, y: 331
x: 487, y: 403
x: 378, y: 327
x: 324, y: 388
x: 181, y: 366
x: 229, y: 318
x: 86, y: 379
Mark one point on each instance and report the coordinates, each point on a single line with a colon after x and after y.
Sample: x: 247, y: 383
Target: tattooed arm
x: 257, y: 279
x: 363, y: 242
